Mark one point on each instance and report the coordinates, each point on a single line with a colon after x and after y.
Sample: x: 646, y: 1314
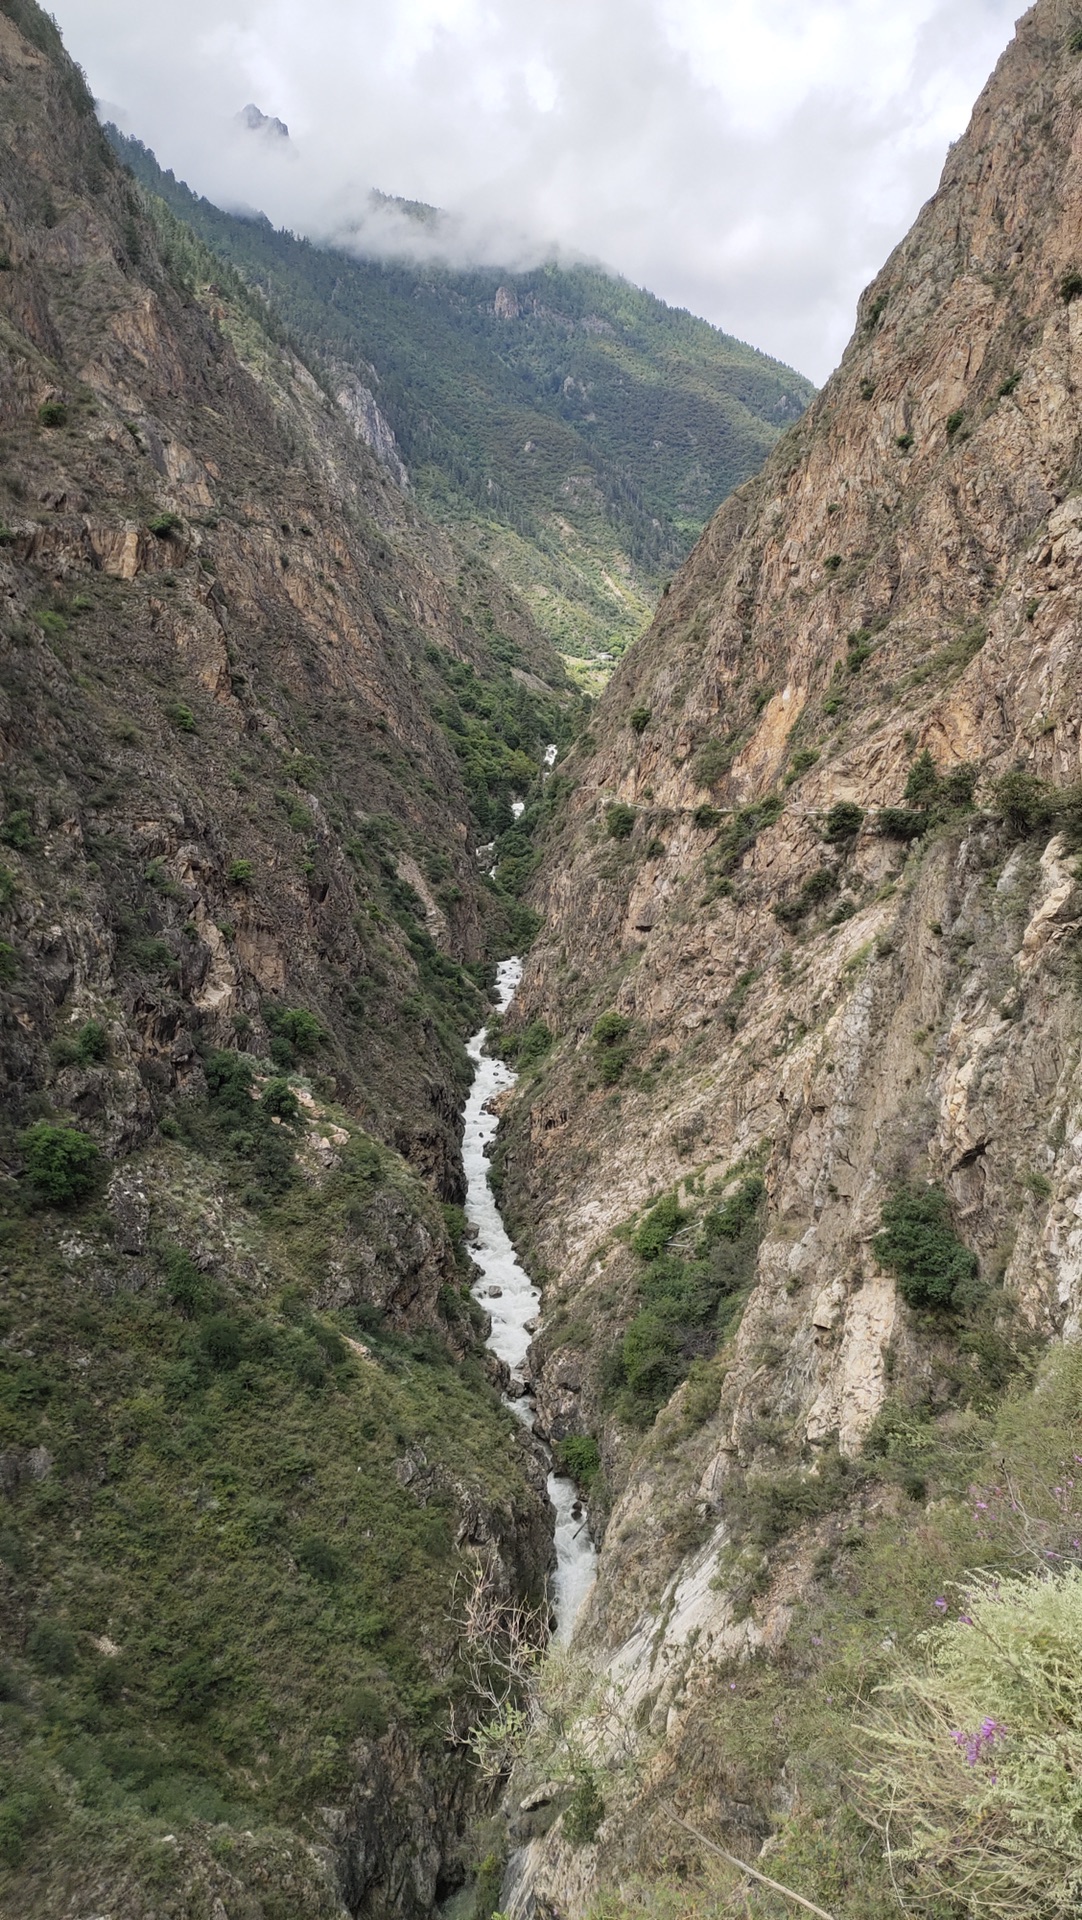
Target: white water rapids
x: 515, y: 1306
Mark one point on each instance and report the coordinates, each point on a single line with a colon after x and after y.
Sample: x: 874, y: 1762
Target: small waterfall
x: 507, y: 1293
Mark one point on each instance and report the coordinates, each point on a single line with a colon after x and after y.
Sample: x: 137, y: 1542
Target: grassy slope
x: 637, y: 419
x: 211, y: 1596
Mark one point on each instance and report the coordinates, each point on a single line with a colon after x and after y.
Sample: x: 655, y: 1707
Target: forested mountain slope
x: 256, y: 715
x: 802, y: 1161
x: 574, y: 429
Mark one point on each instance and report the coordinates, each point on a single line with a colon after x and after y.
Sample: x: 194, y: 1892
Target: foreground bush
x: 976, y: 1755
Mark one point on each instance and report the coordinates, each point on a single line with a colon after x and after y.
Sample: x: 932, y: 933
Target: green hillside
x: 578, y: 432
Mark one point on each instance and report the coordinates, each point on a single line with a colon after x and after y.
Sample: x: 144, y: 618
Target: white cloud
x: 753, y: 162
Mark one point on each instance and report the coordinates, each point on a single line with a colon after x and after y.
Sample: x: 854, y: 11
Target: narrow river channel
x: 508, y: 1295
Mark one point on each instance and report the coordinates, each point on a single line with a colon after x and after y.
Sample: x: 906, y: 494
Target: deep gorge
x: 775, y: 1290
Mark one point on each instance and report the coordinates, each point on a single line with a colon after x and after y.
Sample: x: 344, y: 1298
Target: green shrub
x: 181, y: 717
x: 707, y: 817
x: 610, y: 1035
x: 690, y: 1300
x: 20, y: 1815
x: 299, y: 818
x: 1026, y: 803
x: 713, y: 760
x: 732, y: 1219
x: 901, y: 823
x: 192, y: 1291
x: 733, y: 1004
x: 651, y: 1361
x: 619, y: 821
x: 1007, y: 386
x: 62, y: 1164
x: 241, y: 873
x: 766, y: 1506
x: 639, y: 719
x: 297, y: 1027
x: 800, y: 763
x: 738, y: 836
x: 18, y: 830
x: 957, y: 787
x: 365, y: 1713
x: 904, y: 441
x: 8, y: 886
x: 579, y: 1457
x: 954, y: 421
x: 279, y: 1100
x: 221, y: 1340
x: 53, y: 413
x: 610, y: 1027
x: 818, y: 887
x: 922, y: 781
x: 843, y: 822
x: 933, y: 798
x: 51, y: 1647
x: 919, y: 1246
x: 832, y: 562
x: 584, y: 1812
x: 318, y: 1558
x: 164, y: 525
x: 487, y: 1881
x: 532, y: 1045
x: 858, y: 648
x: 652, y: 1236
x: 1070, y: 286
x: 91, y: 1044
x: 237, y: 1132
x: 157, y: 875
x: 145, y: 953
x: 975, y: 1751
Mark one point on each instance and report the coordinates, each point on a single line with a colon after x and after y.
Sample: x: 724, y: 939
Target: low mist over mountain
x: 573, y: 429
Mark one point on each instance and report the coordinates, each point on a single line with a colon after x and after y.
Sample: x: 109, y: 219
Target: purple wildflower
x: 940, y: 1605
x: 975, y: 1744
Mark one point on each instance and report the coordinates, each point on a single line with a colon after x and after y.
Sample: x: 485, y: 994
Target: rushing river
x: 507, y: 1293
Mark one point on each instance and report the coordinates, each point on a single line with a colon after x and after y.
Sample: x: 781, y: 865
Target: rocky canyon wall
x: 804, y: 952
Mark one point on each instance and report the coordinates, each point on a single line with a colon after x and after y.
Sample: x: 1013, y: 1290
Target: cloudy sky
x: 754, y: 160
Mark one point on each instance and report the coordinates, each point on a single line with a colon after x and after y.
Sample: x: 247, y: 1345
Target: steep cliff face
x: 806, y: 957
x: 255, y: 716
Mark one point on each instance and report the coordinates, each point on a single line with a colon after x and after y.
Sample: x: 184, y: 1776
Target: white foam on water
x: 515, y: 1307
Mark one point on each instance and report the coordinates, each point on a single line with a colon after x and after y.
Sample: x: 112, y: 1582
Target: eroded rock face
x: 253, y: 600
x: 905, y: 575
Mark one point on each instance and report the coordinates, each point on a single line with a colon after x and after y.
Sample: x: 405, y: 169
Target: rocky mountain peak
x: 265, y: 124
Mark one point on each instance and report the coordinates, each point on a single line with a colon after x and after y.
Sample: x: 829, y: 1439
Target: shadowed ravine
x: 509, y: 1296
